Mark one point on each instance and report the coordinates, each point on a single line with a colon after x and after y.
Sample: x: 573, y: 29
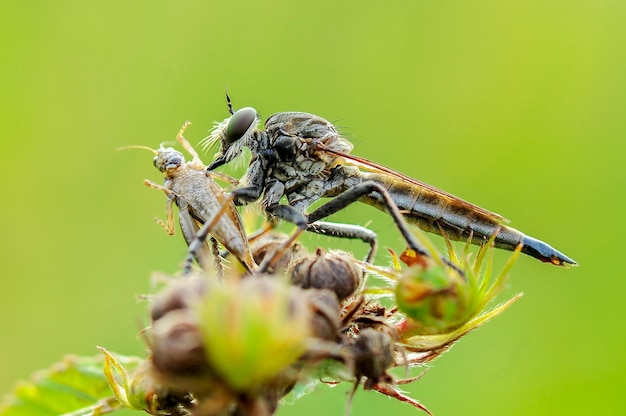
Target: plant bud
x: 434, y: 298
x: 372, y: 353
x: 334, y: 270
x: 326, y: 313
x: 178, y: 296
x: 177, y: 344
x: 267, y: 245
x: 253, y: 330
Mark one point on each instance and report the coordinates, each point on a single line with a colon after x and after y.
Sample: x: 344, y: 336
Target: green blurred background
x: 517, y: 106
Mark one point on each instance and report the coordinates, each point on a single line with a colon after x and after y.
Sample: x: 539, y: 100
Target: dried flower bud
x: 178, y: 296
x: 326, y: 313
x: 372, y: 354
x: 333, y: 270
x: 269, y: 244
x: 176, y: 344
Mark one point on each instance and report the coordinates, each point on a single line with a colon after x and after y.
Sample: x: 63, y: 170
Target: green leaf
x: 74, y: 387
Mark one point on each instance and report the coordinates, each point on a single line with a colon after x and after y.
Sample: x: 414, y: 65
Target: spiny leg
x: 304, y: 223
x: 203, y: 234
x: 189, y: 227
x: 353, y: 195
x: 347, y: 231
x: 289, y: 214
x: 253, y: 237
x: 215, y: 251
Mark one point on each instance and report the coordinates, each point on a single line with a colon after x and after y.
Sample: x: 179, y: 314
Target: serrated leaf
x: 74, y: 387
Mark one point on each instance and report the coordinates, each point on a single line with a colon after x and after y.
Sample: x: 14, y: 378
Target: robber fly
x: 302, y: 156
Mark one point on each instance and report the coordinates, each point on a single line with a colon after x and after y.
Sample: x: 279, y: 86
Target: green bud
x: 433, y: 297
x: 253, y: 329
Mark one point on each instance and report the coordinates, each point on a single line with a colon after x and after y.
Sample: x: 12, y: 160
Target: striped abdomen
x: 438, y: 212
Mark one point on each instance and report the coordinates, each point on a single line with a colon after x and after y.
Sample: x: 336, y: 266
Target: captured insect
x: 203, y: 206
x: 302, y: 156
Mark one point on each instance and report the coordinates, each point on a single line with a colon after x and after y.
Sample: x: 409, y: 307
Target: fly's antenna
x: 155, y: 152
x: 228, y: 102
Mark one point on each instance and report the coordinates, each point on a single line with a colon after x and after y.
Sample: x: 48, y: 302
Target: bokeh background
x: 517, y: 106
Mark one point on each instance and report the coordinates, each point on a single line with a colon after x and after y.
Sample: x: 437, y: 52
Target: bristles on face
x: 217, y: 135
x: 228, y: 148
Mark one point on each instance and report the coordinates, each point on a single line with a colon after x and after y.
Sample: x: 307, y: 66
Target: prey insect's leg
x: 347, y: 231
x: 353, y: 194
x: 188, y: 227
x: 215, y: 251
x: 168, y: 224
x: 187, y: 146
x: 223, y: 176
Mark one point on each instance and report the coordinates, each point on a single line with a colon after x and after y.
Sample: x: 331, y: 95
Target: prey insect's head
x: 232, y: 134
x: 165, y: 158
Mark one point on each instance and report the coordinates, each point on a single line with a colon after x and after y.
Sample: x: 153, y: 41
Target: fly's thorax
x: 302, y: 166
x: 302, y: 192
x: 298, y: 142
x: 307, y: 126
x: 299, y: 171
x: 299, y: 124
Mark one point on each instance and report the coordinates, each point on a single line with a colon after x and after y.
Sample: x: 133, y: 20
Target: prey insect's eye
x: 239, y: 124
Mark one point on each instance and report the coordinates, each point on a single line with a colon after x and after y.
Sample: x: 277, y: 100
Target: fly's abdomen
x: 440, y: 213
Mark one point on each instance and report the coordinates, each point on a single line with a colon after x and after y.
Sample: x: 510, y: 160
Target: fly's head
x: 232, y: 135
x: 168, y: 159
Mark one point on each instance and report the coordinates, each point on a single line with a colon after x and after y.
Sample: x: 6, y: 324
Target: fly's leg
x: 168, y: 224
x: 252, y: 237
x: 289, y: 214
x: 347, y: 231
x: 190, y: 228
x: 203, y: 233
x: 353, y: 194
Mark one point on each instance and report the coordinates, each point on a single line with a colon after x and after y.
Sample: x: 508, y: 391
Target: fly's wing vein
x: 378, y: 168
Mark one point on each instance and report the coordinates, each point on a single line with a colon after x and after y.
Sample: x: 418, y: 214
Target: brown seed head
x: 333, y: 270
x: 372, y: 353
x: 268, y: 244
x: 178, y: 296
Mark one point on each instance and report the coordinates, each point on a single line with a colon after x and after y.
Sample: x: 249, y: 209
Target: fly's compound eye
x: 241, y: 122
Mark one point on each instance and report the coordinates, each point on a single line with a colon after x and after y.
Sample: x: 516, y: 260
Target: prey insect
x: 302, y: 157
x: 203, y: 206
